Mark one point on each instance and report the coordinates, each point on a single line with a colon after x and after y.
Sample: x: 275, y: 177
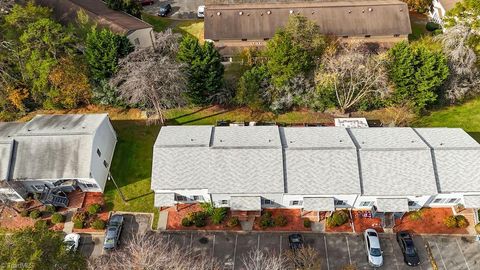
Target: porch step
x: 162, y: 220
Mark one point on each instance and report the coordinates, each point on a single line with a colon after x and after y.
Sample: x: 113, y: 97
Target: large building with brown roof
x: 137, y: 31
x: 252, y: 22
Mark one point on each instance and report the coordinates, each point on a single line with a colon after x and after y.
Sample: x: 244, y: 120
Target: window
x: 453, y: 200
x: 439, y: 200
x: 296, y: 202
x: 105, y: 163
x: 340, y: 203
x: 367, y: 36
x: 244, y: 39
x: 366, y: 203
x: 90, y: 185
x: 38, y: 187
x: 197, y: 197
x: 99, y: 153
x: 136, y: 41
x: 267, y: 201
x: 344, y: 36
x: 180, y: 198
x: 396, y: 35
x: 12, y: 196
x: 223, y: 202
x: 412, y: 203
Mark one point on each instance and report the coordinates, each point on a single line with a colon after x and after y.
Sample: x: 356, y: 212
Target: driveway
x: 181, y: 9
x: 336, y: 250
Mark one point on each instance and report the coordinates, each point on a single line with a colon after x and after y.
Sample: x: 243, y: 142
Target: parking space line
x: 348, y: 248
x: 213, y: 248
x: 280, y: 245
x: 394, y: 255
x: 326, y: 251
x: 461, y: 252
x: 191, y: 239
x: 235, y: 251
x: 441, y: 257
x: 258, y: 242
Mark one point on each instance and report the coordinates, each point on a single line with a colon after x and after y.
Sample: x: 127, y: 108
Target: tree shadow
x: 138, y: 197
x: 175, y: 122
x: 192, y: 113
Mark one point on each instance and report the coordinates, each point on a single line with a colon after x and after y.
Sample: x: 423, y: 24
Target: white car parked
x: 201, y: 12
x: 72, y: 240
x: 372, y: 244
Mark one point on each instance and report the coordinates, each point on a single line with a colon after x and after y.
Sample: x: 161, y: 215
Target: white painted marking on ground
x: 191, y: 240
x: 258, y: 242
x: 213, y: 250
x: 235, y: 251
x: 348, y: 248
x: 394, y: 256
x: 280, y: 244
x: 326, y: 251
x: 461, y: 252
x: 441, y: 257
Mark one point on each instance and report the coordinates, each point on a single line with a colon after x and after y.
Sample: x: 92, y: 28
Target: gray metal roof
x: 319, y: 204
x: 472, y: 201
x: 164, y: 199
x: 392, y: 205
x: 246, y: 203
x: 63, y: 124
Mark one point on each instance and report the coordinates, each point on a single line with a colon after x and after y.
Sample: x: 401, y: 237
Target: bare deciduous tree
x: 353, y: 73
x: 147, y: 252
x: 257, y: 259
x: 306, y: 258
x: 151, y: 77
x: 464, y: 76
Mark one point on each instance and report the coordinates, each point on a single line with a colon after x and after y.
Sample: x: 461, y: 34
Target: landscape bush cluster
x: 89, y: 218
x: 267, y: 220
x: 338, y: 218
x: 458, y: 221
x: 216, y: 215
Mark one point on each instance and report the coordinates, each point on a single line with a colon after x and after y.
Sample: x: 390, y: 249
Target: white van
x: 201, y: 12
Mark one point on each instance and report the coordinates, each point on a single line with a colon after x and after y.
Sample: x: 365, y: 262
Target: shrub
x: 477, y: 228
x: 307, y: 223
x: 330, y: 222
x: 266, y: 220
x: 94, y: 208
x: 281, y: 221
x: 200, y: 219
x: 39, y: 224
x: 187, y: 222
x: 431, y: 26
x: 79, y: 217
x: 78, y: 224
x: 415, y: 215
x: 50, y: 209
x: 462, y: 222
x: 24, y: 213
x: 207, y: 207
x: 219, y: 215
x: 98, y: 224
x: 339, y: 217
x: 233, y: 222
x: 57, y: 218
x: 450, y: 222
x: 35, y: 214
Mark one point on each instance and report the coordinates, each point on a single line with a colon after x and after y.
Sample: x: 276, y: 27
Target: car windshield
x: 163, y: 9
x: 69, y: 243
x: 375, y: 252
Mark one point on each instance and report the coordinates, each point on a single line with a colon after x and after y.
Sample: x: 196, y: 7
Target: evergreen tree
x: 417, y: 73
x: 103, y: 48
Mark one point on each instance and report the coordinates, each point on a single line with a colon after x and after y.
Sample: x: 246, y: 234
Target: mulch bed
x: 431, y: 222
x: 175, y: 217
x: 294, y: 220
x: 89, y: 199
x: 342, y: 228
x: 363, y: 223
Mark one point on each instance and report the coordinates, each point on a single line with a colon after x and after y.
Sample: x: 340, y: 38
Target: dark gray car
x: 112, y: 234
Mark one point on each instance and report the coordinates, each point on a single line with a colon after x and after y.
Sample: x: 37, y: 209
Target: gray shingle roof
x: 246, y: 203
x: 319, y: 204
x: 54, y: 124
x: 472, y: 201
x: 52, y: 157
x: 392, y: 205
x: 316, y: 161
x: 9, y: 129
x: 5, y: 156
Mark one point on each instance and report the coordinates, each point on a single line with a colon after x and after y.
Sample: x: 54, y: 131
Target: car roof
x: 374, y: 242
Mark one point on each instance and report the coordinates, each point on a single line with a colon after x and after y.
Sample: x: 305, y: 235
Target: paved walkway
x: 162, y: 220
x: 68, y: 226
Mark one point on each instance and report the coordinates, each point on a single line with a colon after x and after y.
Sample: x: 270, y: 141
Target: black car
x: 295, y: 241
x: 164, y: 10
x: 410, y: 255
x: 112, y: 234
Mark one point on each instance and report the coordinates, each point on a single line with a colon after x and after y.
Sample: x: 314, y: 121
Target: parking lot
x: 181, y: 9
x: 336, y: 250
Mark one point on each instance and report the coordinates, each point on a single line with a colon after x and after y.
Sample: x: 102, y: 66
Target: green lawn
x: 466, y: 116
x: 184, y: 27
x: 159, y: 24
x: 132, y: 167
